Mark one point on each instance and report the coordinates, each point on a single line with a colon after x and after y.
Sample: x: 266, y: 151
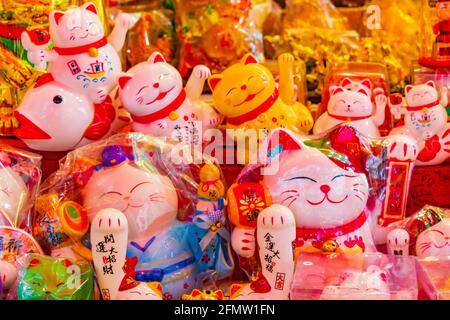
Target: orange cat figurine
x: 246, y: 94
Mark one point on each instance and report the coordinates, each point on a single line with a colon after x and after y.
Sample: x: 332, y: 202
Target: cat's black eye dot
x: 57, y: 99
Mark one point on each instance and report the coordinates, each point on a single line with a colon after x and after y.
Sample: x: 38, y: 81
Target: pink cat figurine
x: 434, y: 241
x: 351, y: 103
x: 425, y: 120
x: 82, y: 57
x: 152, y: 92
x: 54, y: 117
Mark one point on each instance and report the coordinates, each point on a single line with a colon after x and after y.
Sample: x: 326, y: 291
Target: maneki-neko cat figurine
x: 246, y: 95
x: 425, y: 119
x: 351, y: 103
x: 82, y: 57
x: 153, y: 93
x: 324, y: 182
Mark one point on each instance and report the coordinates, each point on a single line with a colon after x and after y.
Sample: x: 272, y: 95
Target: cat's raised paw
x: 402, y: 148
x: 108, y: 220
x: 201, y: 72
x: 276, y: 216
x: 127, y: 21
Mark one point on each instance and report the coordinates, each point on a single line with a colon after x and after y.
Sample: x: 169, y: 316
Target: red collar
x: 163, y: 113
x: 81, y: 49
x: 344, y: 118
x: 255, y: 112
x: 331, y: 233
x: 418, y: 108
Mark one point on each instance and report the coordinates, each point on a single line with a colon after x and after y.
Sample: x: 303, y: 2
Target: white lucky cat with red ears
x: 152, y: 92
x: 82, y: 57
x: 426, y: 121
x: 351, y: 103
x: 326, y: 189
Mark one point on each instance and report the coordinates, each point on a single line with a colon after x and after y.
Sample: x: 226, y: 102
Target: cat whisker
x: 289, y: 191
x: 290, y: 197
x: 359, y: 198
x: 293, y: 200
x: 357, y: 190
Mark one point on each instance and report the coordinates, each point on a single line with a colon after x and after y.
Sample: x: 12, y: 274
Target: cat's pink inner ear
x: 364, y: 92
x: 286, y: 139
x: 123, y: 81
x: 346, y: 82
x: 408, y: 88
x: 57, y: 15
x: 156, y: 57
x: 431, y: 84
x: 91, y: 7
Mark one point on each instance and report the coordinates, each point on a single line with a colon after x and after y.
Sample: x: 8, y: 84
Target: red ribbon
x: 163, y: 113
x: 418, y: 108
x: 331, y: 233
x: 348, y: 118
x: 255, y: 112
x: 81, y: 49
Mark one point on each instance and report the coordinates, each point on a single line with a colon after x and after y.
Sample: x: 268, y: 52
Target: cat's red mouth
x: 326, y: 198
x: 250, y: 97
x: 160, y: 96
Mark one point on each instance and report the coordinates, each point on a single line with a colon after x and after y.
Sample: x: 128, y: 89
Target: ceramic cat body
x: 246, y: 94
x: 13, y: 195
x: 82, y: 57
x: 351, y: 103
x: 152, y: 92
x: 425, y: 119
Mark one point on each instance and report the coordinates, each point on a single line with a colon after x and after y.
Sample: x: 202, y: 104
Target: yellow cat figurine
x: 246, y: 94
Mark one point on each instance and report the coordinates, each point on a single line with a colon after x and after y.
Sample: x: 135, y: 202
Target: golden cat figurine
x: 246, y: 94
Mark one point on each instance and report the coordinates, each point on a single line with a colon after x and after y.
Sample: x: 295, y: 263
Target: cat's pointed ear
x: 346, y: 82
x: 248, y: 58
x: 214, y: 80
x: 335, y: 90
x: 408, y: 88
x: 279, y: 141
x: 55, y: 16
x: 123, y: 79
x: 431, y: 84
x: 367, y: 83
x: 156, y: 57
x: 89, y: 6
x: 363, y: 91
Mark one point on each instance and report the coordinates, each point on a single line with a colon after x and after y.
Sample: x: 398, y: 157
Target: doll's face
x: 13, y: 193
x: 241, y: 88
x: 434, y: 241
x: 148, y: 200
x: 319, y: 192
x: 76, y: 27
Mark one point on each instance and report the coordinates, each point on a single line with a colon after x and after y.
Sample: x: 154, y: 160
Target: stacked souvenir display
x: 188, y: 169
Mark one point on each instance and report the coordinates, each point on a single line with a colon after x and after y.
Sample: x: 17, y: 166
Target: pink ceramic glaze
x: 152, y: 92
x: 434, y: 241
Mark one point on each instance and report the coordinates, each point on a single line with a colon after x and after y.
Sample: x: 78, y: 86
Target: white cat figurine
x: 152, y: 92
x: 82, y: 57
x: 351, y: 103
x: 425, y: 120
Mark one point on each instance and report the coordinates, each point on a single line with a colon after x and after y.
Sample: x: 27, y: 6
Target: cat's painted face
x: 150, y: 86
x: 349, y: 84
x: 76, y: 26
x: 144, y: 291
x: 13, y: 193
x: 421, y: 94
x: 319, y: 192
x: 348, y: 103
x: 148, y: 200
x: 242, y: 87
x: 434, y: 241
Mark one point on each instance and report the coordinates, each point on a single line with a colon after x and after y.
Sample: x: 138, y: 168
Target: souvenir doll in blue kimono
x: 149, y: 201
x: 209, y: 237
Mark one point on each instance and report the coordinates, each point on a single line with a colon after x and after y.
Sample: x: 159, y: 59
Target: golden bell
x: 93, y: 52
x: 262, y: 117
x: 213, y: 228
x: 329, y: 246
x: 173, y: 115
